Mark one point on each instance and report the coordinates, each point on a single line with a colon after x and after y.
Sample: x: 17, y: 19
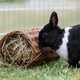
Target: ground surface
x: 52, y: 71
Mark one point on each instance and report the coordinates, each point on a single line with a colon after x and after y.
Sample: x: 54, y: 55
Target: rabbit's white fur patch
x: 63, y: 51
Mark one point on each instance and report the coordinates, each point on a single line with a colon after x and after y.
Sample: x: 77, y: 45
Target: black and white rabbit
x: 65, y: 42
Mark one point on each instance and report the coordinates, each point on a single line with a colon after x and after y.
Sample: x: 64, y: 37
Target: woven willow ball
x: 16, y: 50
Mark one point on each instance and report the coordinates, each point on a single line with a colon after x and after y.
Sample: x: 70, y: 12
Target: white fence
x: 40, y: 8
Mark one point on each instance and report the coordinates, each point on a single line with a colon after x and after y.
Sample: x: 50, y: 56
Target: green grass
x: 18, y: 20
x: 56, y: 70
x: 11, y: 1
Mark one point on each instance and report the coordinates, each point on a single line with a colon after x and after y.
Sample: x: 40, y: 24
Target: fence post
x: 77, y: 15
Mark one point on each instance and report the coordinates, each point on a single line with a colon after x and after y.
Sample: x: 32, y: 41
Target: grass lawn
x: 11, y: 1
x: 18, y: 20
x: 56, y: 70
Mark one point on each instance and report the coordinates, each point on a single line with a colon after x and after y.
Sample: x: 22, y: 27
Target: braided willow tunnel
x: 20, y: 48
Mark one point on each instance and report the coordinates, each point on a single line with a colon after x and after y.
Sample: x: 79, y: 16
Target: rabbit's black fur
x: 65, y: 42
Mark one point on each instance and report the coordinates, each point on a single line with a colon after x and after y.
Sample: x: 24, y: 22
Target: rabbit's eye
x: 44, y: 34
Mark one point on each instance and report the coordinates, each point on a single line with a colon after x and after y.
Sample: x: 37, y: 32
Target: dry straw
x: 20, y: 48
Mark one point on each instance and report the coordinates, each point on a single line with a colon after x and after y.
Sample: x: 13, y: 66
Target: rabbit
x: 64, y: 42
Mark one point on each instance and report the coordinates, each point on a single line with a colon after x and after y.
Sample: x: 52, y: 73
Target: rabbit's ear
x: 53, y: 19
